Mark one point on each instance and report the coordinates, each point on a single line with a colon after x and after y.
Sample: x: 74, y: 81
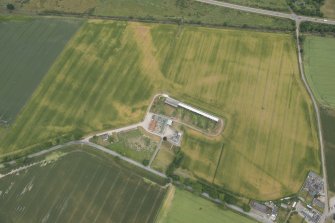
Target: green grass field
x: 79, y: 187
x: 188, y: 10
x: 28, y: 49
x: 319, y: 65
x: 109, y: 72
x: 186, y: 207
x: 328, y: 127
x: 277, y: 5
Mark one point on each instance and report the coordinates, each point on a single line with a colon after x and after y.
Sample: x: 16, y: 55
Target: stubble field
x: 108, y: 73
x: 79, y: 187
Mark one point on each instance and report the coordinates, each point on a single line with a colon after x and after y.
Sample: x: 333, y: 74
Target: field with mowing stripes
x: 79, y: 187
x: 185, y: 207
x: 109, y: 72
x: 319, y: 64
x: 28, y: 49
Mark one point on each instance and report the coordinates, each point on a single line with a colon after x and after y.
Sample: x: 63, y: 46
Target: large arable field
x: 185, y: 207
x: 28, y: 49
x: 163, y: 10
x: 79, y: 187
x: 109, y: 72
x: 328, y: 127
x: 319, y: 53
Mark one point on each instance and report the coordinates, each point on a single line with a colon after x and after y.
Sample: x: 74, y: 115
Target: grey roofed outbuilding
x: 261, y: 207
x: 172, y: 102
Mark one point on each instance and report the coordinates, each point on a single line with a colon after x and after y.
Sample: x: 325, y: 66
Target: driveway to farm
x: 291, y: 16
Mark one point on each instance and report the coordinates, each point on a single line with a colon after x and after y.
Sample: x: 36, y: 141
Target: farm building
x: 174, y: 103
x: 105, y: 137
x: 261, y: 207
x: 314, y: 184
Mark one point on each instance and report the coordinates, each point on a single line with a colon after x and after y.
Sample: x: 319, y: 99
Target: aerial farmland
x: 117, y: 112
x: 71, y: 99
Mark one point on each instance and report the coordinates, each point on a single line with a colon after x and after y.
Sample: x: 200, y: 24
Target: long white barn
x: 175, y: 103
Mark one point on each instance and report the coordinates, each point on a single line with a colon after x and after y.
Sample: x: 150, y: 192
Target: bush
x: 10, y: 6
x: 175, y: 177
x: 306, y: 7
x: 175, y: 163
x: 221, y: 196
x: 197, y: 187
x: 317, y: 28
x: 230, y: 199
x: 246, y: 207
x: 145, y: 162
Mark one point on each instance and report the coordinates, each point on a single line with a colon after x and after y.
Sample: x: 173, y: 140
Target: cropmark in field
x: 109, y: 72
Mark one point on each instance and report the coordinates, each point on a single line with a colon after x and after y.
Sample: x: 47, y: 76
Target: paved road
x: 318, y: 116
x: 291, y: 16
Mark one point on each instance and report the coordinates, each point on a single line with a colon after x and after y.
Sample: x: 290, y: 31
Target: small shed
x: 169, y: 122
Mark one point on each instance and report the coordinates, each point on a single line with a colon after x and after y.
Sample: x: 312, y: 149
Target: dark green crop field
x: 78, y: 187
x: 28, y: 48
x: 328, y: 127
